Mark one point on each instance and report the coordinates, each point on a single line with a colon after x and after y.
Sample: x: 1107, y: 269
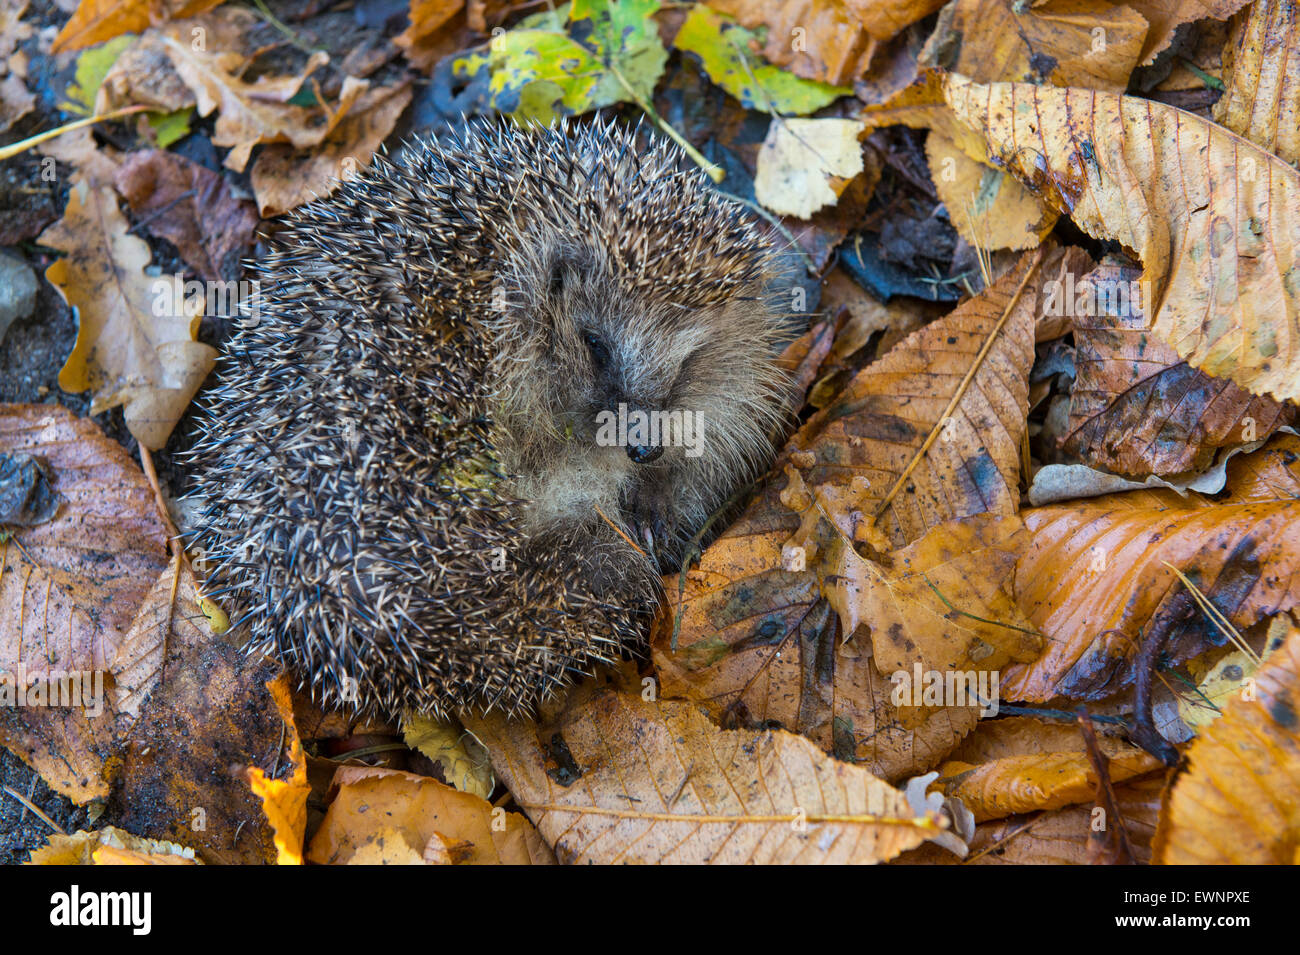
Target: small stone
x: 17, y: 291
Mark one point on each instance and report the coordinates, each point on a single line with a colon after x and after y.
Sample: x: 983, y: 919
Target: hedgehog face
x: 625, y: 401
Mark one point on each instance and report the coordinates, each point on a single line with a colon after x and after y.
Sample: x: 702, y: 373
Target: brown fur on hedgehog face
x: 578, y: 342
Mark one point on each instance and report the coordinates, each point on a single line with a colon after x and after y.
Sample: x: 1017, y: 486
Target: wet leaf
x: 1020, y: 764
x: 1238, y: 802
x: 1135, y: 407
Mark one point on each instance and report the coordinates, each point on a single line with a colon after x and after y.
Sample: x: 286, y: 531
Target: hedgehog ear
x: 570, y: 267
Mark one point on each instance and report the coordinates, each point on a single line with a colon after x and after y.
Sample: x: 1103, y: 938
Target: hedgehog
x: 489, y: 390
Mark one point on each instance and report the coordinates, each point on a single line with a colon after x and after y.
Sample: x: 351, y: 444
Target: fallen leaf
x: 838, y: 38
x: 1056, y: 837
x: 382, y: 815
x: 1205, y: 211
x: 110, y: 846
x: 74, y: 591
x: 990, y: 209
x: 1238, y: 801
x: 1261, y: 98
x: 134, y: 347
x: 656, y: 782
x: 1088, y: 43
x: 1166, y: 16
x: 724, y: 50
x: 1019, y: 764
x: 1095, y: 578
x: 190, y: 206
x: 1135, y: 407
x: 284, y: 179
x: 805, y: 164
x: 427, y: 18
x: 461, y: 758
x: 98, y: 20
x: 942, y: 602
x: 284, y: 801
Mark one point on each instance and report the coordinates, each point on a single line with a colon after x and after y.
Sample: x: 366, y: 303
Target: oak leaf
x: 135, y: 345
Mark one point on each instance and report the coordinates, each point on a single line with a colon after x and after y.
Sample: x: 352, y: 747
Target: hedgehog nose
x: 640, y: 454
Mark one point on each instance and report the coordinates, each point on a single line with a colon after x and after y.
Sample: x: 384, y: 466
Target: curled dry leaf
x: 1238, y: 801
x: 284, y: 800
x: 1210, y: 215
x: 135, y: 345
x: 1166, y: 16
x: 839, y: 36
x: 190, y: 206
x: 1261, y: 100
x: 1056, y: 837
x: 1095, y: 576
x: 805, y: 164
x: 98, y: 20
x: 618, y: 779
x: 78, y: 596
x: 284, y: 179
x: 391, y: 817
x: 1020, y: 764
x: 1269, y: 474
x: 461, y: 759
x: 110, y: 846
x: 1135, y: 407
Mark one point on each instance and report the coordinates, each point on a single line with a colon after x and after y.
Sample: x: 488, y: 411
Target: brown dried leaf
x: 1135, y: 408
x: 110, y: 846
x: 1057, y: 837
x: 1099, y: 566
x: 427, y: 21
x: 190, y: 206
x: 1270, y: 474
x: 1238, y: 802
x: 1020, y: 764
x: 1054, y: 42
x: 1166, y: 16
x: 839, y: 36
x: 942, y: 602
x: 1261, y: 99
x: 1208, y: 214
x: 392, y: 817
x: 96, y: 21
x: 284, y: 179
x: 890, y: 443
x: 133, y: 348
x: 76, y: 595
x: 618, y: 779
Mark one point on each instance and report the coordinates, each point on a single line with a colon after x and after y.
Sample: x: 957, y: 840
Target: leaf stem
x: 13, y: 149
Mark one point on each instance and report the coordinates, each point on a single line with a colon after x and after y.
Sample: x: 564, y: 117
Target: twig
x: 13, y: 149
x: 1116, y: 838
x: 36, y: 810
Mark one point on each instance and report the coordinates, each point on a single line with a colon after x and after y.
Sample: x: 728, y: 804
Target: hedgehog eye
x: 599, y: 350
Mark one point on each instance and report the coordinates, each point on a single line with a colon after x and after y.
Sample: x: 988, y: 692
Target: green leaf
x: 569, y: 60
x: 169, y: 127
x: 724, y: 49
x: 92, y: 67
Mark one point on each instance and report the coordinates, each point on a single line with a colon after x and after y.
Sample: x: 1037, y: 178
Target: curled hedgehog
x: 491, y: 389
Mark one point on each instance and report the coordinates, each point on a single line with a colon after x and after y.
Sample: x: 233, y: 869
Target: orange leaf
x: 1238, y: 802
x: 96, y: 21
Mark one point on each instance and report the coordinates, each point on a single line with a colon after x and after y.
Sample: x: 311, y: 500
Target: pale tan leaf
x: 1211, y: 216
x: 1261, y: 99
x: 642, y: 781
x: 805, y: 164
x: 1166, y: 16
x: 135, y: 345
